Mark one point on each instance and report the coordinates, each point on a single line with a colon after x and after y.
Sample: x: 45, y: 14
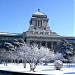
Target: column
x: 56, y: 47
x: 46, y: 44
x: 36, y: 23
x: 40, y: 43
x: 42, y: 23
x: 52, y: 45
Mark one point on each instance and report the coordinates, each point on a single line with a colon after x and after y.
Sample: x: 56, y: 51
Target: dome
x: 38, y: 13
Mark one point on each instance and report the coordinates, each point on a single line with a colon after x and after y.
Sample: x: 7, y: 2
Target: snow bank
x: 40, y: 69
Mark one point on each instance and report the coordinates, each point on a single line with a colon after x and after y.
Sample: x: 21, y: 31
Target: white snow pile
x: 67, y: 69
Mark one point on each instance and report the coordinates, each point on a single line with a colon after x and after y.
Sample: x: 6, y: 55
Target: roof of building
x: 9, y: 34
x: 69, y: 37
x: 38, y: 12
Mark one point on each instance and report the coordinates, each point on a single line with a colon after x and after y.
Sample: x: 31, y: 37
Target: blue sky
x: 15, y: 15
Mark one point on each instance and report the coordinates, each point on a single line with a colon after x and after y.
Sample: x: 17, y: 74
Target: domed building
x: 39, y: 33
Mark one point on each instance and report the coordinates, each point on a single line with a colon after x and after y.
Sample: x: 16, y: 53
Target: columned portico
x: 49, y: 44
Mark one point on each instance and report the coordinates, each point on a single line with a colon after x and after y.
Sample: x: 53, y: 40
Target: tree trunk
x: 32, y: 67
x: 45, y: 63
x: 14, y: 61
x: 6, y: 61
x: 24, y: 63
x: 17, y: 61
x: 10, y: 60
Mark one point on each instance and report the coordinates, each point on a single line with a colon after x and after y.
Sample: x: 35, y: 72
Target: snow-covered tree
x: 2, y: 53
x: 58, y: 64
x: 71, y: 59
x: 18, y: 44
x: 9, y: 46
x: 35, y: 54
x: 23, y: 52
x: 58, y: 56
x: 48, y: 57
x: 6, y: 52
x: 66, y: 49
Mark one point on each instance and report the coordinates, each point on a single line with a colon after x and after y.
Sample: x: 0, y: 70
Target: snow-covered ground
x: 41, y: 69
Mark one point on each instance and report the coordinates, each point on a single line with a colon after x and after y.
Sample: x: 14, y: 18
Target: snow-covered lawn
x: 40, y: 69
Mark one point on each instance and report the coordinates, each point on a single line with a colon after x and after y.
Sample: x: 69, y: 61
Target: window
x: 41, y: 23
x: 36, y: 33
x: 46, y: 32
x: 41, y: 32
x: 31, y: 32
x: 38, y: 23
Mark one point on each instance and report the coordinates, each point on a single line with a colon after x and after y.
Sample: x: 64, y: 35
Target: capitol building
x: 39, y: 32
